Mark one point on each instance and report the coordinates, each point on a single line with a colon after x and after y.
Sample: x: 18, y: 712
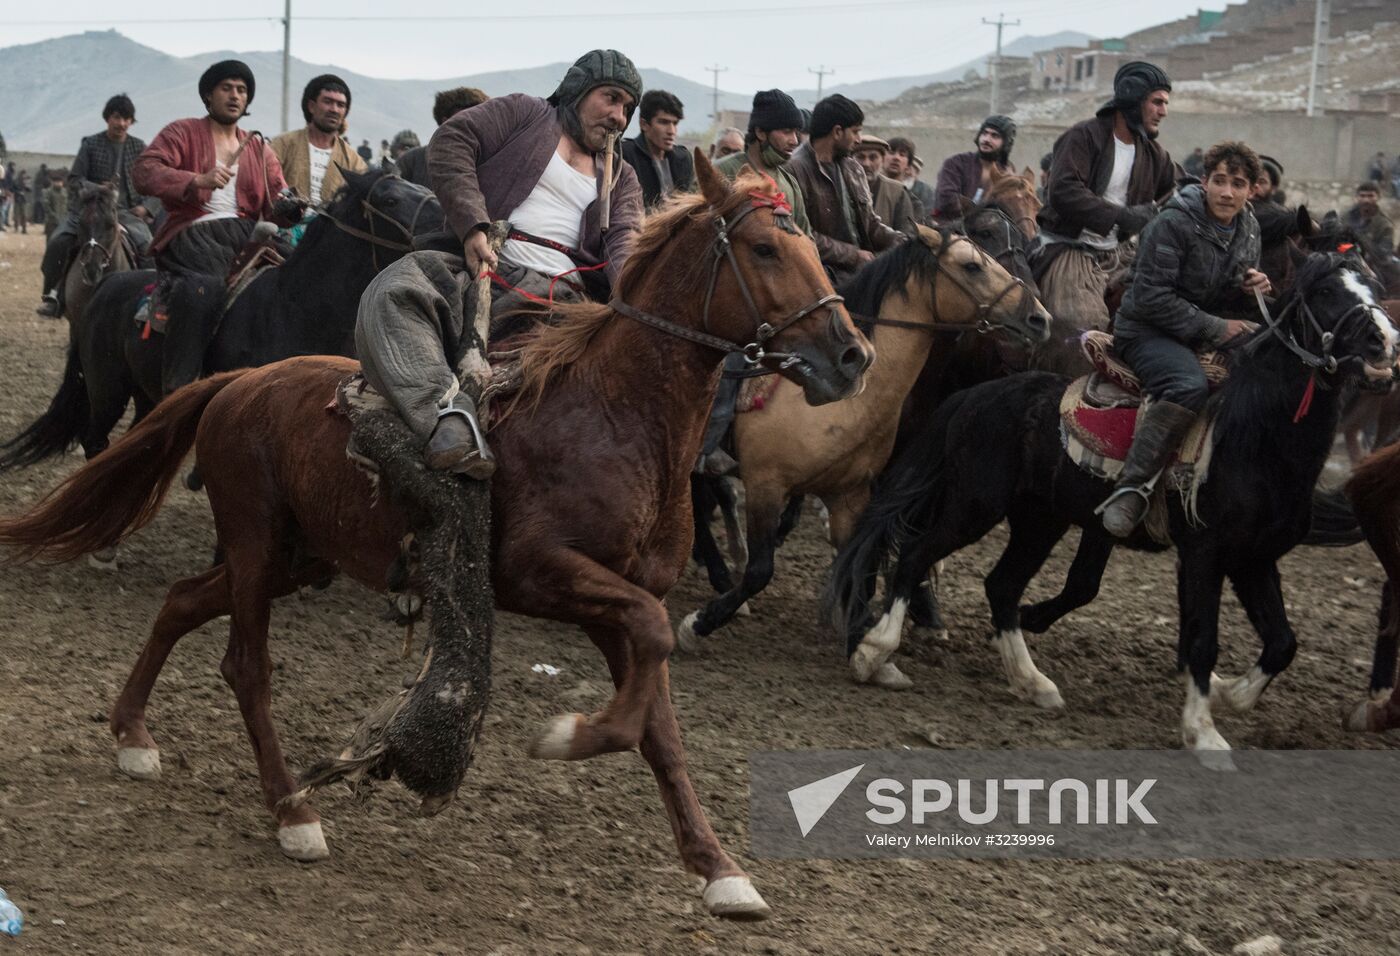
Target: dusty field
x: 562, y: 858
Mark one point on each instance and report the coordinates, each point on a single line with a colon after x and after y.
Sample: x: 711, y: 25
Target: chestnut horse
x: 1374, y: 490
x: 591, y: 502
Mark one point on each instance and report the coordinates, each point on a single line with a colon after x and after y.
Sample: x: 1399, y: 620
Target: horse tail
x: 902, y: 504
x: 1334, y: 523
x: 120, y: 490
x: 55, y: 431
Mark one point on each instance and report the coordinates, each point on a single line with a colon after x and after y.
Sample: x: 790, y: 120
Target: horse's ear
x: 1028, y: 175
x: 930, y: 237
x: 967, y: 206
x: 1306, y: 227
x: 714, y: 187
x: 997, y: 175
x: 1298, y: 256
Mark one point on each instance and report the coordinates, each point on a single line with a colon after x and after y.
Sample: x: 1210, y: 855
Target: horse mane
x: 888, y: 272
x: 558, y: 343
x: 345, y: 205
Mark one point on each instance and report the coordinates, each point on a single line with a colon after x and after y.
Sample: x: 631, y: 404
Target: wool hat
x: 774, y: 109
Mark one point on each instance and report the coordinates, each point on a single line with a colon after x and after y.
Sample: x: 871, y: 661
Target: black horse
x: 971, y: 359
x: 994, y: 452
x: 307, y: 306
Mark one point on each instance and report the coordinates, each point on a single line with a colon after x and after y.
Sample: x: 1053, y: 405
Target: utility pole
x: 286, y: 65
x: 1317, y: 80
x: 821, y: 72
x: 714, y: 103
x: 994, y: 64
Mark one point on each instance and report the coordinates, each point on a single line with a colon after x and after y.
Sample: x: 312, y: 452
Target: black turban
x: 1132, y: 84
x: 594, y: 69
x: 1004, y: 125
x: 225, y: 70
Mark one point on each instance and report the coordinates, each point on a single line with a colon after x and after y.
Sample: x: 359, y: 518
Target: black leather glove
x: 1132, y: 219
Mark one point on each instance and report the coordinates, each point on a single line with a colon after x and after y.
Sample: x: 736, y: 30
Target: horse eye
x: 765, y: 251
x: 972, y: 267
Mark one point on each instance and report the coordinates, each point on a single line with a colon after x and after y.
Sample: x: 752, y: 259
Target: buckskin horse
x: 304, y: 307
x: 994, y: 452
x: 620, y: 394
x: 934, y: 286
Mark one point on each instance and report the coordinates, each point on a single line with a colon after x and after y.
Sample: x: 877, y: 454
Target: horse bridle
x: 983, y: 323
x: 371, y: 214
x: 764, y: 332
x: 1326, y: 362
x: 109, y: 252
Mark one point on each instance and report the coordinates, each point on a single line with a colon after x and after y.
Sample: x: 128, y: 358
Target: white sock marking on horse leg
x: 1243, y: 692
x: 879, y: 642
x: 303, y: 841
x: 555, y: 741
x: 1197, y: 727
x: 686, y: 638
x: 734, y: 896
x: 1025, y: 678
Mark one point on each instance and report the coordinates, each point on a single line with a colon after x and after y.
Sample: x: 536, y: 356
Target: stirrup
x: 1142, y: 491
x: 479, y: 436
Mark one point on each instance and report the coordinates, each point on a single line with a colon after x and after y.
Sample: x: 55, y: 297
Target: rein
x: 109, y: 252
x: 764, y: 332
x: 371, y: 214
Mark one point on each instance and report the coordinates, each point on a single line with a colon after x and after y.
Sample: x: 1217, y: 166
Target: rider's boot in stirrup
x: 1163, y: 426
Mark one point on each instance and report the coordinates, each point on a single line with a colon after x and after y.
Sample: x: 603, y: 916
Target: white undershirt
x: 1116, y: 193
x: 320, y: 162
x: 223, y: 202
x: 553, y: 210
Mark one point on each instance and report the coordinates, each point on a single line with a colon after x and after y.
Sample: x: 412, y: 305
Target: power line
x: 821, y: 72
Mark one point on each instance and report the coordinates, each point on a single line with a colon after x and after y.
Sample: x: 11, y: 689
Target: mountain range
x: 51, y: 92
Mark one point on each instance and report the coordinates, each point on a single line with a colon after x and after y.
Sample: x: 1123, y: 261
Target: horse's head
x: 99, y: 232
x: 968, y: 287
x: 1335, y: 319
x: 1016, y: 195
x: 993, y: 229
x: 734, y: 265
x: 391, y: 209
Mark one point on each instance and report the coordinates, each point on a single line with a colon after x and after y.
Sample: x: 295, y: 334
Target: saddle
x: 258, y: 254
x: 1098, y: 417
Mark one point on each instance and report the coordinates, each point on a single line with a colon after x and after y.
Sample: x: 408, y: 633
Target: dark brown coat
x: 840, y: 251
x: 1080, y: 172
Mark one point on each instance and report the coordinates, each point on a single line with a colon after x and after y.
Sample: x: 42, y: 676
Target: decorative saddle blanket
x: 1098, y: 417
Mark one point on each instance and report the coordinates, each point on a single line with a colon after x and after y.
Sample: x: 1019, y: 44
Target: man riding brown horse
x: 538, y: 163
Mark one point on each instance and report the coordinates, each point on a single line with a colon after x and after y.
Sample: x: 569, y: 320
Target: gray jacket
x: 1187, y: 270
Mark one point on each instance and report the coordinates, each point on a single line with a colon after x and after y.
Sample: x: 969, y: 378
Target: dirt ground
x: 540, y: 857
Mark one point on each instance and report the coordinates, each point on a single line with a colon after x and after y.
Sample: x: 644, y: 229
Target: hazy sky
x: 764, y: 43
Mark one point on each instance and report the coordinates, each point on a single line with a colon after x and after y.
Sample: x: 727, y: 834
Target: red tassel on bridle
x: 1306, y: 404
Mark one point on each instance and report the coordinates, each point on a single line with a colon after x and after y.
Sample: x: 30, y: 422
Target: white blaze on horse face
x: 879, y: 642
x: 1026, y: 680
x: 1383, y: 325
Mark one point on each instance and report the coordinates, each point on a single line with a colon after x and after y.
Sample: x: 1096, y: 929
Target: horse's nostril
x: 854, y: 360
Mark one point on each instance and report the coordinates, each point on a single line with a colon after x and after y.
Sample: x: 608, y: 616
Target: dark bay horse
x: 591, y: 500
x: 994, y: 453
x: 99, y: 249
x: 306, y: 306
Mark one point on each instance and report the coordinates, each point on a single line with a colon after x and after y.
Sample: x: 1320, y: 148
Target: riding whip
x: 605, y: 194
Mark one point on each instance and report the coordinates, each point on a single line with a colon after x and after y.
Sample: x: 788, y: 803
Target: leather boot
x: 457, y: 443
x: 1161, y: 429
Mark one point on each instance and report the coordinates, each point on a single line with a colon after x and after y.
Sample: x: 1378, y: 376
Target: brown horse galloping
x: 591, y: 502
x: 1374, y: 490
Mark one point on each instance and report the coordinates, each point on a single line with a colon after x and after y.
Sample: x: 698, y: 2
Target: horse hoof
x: 686, y: 638
x: 139, y: 763
x: 865, y: 662
x: 1047, y: 698
x: 303, y: 842
x: 432, y: 806
x: 1358, y: 718
x: 890, y: 677
x: 103, y: 560
x: 932, y: 635
x: 555, y: 742
x: 734, y: 897
x: 744, y: 610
